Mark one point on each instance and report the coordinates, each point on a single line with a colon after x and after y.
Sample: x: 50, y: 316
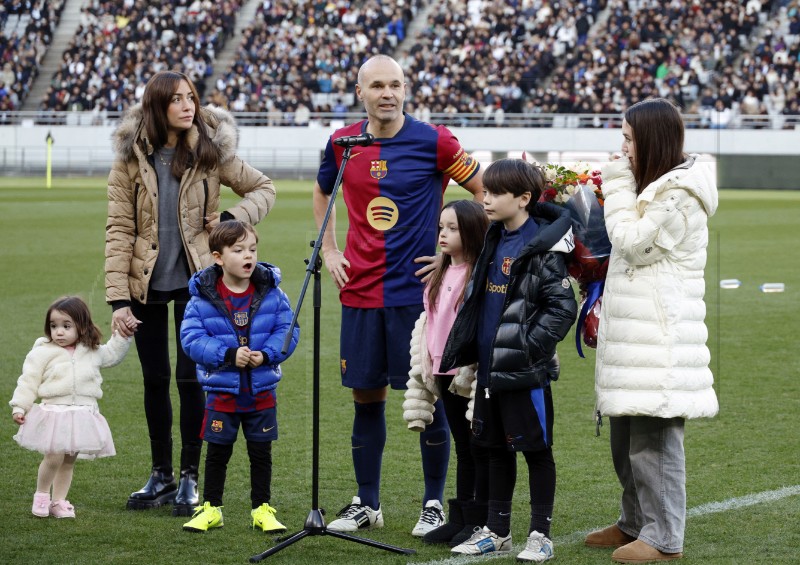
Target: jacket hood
x: 694, y: 177
x: 220, y: 124
x: 264, y: 275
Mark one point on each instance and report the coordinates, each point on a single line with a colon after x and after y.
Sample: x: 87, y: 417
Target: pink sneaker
x: 41, y: 504
x: 62, y: 509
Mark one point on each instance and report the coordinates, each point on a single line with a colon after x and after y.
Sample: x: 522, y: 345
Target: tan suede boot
x: 611, y: 536
x: 639, y: 552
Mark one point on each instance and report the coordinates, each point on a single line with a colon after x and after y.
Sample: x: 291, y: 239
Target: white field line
x: 702, y: 510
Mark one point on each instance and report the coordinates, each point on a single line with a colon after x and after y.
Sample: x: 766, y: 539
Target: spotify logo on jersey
x: 382, y: 213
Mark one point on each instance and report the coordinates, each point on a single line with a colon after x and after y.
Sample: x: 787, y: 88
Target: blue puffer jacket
x: 208, y: 332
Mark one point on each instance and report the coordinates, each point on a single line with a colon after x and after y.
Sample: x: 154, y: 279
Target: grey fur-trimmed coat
x: 132, y: 226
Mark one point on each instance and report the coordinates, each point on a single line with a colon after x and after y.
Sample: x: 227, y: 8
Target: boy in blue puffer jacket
x: 234, y: 329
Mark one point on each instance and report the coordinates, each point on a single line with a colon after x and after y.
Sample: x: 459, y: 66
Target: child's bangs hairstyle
x: 88, y: 333
x: 515, y: 176
x: 227, y: 233
x: 472, y: 226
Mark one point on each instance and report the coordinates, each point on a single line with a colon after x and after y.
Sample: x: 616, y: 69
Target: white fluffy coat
x: 58, y: 376
x: 652, y: 358
x: 423, y: 387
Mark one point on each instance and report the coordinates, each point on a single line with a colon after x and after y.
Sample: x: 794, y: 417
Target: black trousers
x: 217, y: 457
x: 471, y: 475
x: 152, y: 344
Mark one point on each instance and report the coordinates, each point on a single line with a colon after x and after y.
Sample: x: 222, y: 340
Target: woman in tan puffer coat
x: 172, y: 156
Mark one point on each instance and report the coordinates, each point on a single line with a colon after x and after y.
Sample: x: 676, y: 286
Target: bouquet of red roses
x: 579, y: 189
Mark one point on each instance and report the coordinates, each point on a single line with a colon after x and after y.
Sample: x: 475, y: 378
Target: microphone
x: 355, y: 140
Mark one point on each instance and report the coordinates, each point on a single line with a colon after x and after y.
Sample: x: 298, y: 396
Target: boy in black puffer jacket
x: 518, y: 306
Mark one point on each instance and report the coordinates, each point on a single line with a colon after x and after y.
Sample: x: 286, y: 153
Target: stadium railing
x: 319, y: 119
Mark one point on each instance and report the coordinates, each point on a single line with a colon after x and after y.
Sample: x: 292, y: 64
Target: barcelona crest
x: 240, y: 318
x: 506, y: 268
x: 343, y: 363
x: 378, y: 169
x: 216, y: 426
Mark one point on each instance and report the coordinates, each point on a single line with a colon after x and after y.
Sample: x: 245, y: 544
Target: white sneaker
x: 483, y: 541
x: 431, y: 518
x: 357, y: 516
x: 538, y: 549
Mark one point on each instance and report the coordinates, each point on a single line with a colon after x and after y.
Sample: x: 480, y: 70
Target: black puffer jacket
x: 538, y: 312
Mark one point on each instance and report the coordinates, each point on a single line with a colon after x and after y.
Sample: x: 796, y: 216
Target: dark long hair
x: 517, y: 177
x: 157, y: 97
x: 657, y: 129
x: 88, y: 333
x: 472, y: 226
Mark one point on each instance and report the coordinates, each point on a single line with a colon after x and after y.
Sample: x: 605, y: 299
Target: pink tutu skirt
x: 53, y: 428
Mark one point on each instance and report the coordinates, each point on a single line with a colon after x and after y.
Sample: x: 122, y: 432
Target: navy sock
x: 434, y: 444
x: 542, y: 483
x: 541, y: 518
x: 368, y: 440
x: 499, y: 519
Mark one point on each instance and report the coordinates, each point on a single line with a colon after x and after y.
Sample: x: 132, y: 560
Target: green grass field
x: 743, y: 471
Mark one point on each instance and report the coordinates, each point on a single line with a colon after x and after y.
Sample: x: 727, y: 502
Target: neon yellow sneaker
x: 204, y: 518
x: 264, y: 518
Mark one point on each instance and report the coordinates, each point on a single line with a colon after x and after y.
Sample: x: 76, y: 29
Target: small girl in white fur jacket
x: 462, y: 226
x: 63, y: 371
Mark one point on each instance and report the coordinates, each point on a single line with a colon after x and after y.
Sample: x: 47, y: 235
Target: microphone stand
x: 315, y: 522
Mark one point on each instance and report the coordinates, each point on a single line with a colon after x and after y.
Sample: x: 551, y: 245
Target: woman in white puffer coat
x: 652, y: 368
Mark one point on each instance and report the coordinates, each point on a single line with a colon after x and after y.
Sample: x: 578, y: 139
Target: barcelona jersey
x: 393, y: 190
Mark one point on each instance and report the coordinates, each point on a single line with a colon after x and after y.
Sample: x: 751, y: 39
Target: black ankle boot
x: 475, y: 516
x: 187, y: 498
x: 159, y: 490
x: 455, y: 523
x: 160, y: 487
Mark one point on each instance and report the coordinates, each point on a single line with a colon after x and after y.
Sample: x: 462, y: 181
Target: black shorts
x: 517, y: 420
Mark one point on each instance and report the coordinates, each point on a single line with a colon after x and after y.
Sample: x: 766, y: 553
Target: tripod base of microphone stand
x: 315, y: 526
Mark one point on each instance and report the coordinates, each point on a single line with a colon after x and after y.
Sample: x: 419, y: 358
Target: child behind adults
x: 63, y: 370
x: 234, y: 329
x: 462, y: 226
x: 519, y: 305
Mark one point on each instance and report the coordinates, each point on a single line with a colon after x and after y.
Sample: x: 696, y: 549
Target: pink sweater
x: 440, y: 321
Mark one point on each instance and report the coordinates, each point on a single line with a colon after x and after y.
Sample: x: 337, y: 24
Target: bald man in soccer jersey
x: 394, y: 191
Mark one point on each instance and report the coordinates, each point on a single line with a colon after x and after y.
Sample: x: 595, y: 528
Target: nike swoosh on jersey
x: 265, y: 430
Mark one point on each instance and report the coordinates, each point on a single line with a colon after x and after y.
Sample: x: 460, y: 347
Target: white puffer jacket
x: 57, y: 376
x: 652, y: 358
x: 423, y: 387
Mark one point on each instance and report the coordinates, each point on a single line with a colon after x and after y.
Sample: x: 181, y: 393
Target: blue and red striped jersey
x: 393, y: 190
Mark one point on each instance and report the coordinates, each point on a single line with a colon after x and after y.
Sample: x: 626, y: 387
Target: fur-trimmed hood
x: 222, y: 130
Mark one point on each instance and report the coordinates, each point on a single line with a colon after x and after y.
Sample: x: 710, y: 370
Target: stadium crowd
x: 26, y: 30
x: 709, y: 57
x: 300, y: 57
x: 732, y: 62
x: 118, y: 46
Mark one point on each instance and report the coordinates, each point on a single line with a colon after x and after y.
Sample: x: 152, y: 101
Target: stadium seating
x: 732, y: 63
x: 299, y: 57
x: 26, y: 29
x: 119, y: 45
